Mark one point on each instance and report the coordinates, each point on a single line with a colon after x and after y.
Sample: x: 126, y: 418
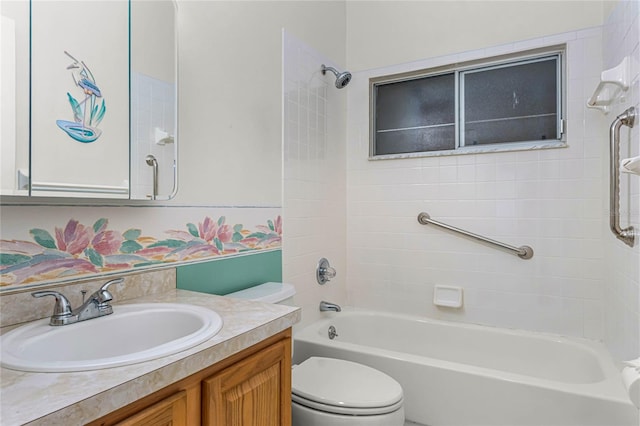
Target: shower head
x: 342, y: 78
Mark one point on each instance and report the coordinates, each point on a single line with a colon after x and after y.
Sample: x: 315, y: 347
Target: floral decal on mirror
x: 84, y: 127
x: 78, y: 249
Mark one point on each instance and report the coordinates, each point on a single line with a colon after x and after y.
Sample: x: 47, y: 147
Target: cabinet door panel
x: 254, y: 392
x: 254, y: 402
x: 171, y: 411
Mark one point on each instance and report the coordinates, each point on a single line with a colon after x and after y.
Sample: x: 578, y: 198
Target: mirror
x: 14, y: 98
x: 153, y: 100
x: 101, y: 100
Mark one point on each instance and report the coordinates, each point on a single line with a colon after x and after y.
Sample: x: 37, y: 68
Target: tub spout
x: 327, y: 306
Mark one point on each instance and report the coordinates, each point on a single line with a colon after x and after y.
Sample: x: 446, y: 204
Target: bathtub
x: 461, y: 374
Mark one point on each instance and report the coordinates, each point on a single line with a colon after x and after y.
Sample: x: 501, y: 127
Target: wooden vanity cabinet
x: 250, y: 392
x: 251, y: 388
x: 169, y: 411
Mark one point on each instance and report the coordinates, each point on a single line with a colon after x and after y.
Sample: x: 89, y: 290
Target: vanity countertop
x: 75, y: 398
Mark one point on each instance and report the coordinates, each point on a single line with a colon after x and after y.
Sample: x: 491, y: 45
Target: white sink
x: 133, y: 333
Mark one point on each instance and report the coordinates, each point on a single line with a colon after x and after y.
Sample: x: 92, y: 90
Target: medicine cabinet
x: 89, y: 99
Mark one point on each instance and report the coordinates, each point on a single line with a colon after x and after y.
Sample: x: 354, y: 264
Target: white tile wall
x: 153, y: 106
x: 314, y: 177
x: 622, y: 283
x: 552, y: 200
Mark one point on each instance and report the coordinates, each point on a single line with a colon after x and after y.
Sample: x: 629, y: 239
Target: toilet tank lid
x: 271, y: 292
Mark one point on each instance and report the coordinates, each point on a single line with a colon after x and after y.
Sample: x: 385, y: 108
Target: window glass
x: 495, y: 101
x: 511, y: 103
x: 415, y: 115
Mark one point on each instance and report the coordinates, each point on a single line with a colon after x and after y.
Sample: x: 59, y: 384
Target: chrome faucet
x: 324, y: 272
x: 328, y: 306
x: 96, y: 305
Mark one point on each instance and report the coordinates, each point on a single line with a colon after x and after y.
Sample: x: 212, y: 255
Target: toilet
x: 334, y: 392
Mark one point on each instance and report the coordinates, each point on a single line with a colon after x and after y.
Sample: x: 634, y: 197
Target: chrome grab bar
x: 151, y: 161
x: 523, y: 252
x: 626, y: 235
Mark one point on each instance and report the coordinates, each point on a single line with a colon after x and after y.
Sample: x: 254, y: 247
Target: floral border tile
x: 78, y: 250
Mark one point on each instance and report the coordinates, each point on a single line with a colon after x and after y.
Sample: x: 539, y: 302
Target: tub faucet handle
x: 324, y: 271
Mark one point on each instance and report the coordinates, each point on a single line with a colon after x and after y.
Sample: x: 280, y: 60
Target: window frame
x: 459, y: 70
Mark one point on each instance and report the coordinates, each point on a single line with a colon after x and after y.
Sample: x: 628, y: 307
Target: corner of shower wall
x: 549, y: 199
x: 622, y: 289
x: 314, y: 193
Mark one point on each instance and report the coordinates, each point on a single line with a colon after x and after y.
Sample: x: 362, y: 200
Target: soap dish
x: 447, y: 296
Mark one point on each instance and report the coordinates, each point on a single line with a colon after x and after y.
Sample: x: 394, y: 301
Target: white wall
x: 622, y: 286
x: 230, y: 92
x: 547, y: 199
x: 380, y: 33
x: 314, y: 177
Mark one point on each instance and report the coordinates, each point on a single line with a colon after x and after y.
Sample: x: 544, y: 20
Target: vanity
x: 242, y: 375
x: 251, y: 387
x: 117, y: 223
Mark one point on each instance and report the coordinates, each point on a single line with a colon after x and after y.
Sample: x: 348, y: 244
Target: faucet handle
x: 103, y: 295
x: 62, y: 308
x: 324, y: 272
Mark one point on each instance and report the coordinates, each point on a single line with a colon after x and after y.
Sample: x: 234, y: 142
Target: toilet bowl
x: 334, y: 392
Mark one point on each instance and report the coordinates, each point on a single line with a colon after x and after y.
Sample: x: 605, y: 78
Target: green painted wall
x: 226, y: 275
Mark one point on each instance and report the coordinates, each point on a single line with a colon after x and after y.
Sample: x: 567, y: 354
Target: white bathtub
x: 460, y: 374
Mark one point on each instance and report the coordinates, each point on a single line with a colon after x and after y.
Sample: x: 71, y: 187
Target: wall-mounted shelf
x: 613, y: 82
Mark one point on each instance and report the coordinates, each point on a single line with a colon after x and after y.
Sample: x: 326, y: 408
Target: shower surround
x: 553, y: 200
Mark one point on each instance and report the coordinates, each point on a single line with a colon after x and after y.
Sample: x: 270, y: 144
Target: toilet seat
x: 344, y: 387
x: 332, y: 409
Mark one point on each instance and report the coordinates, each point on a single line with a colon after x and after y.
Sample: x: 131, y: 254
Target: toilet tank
x: 271, y: 292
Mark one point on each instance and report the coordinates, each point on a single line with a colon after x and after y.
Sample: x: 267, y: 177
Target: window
x: 495, y: 104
